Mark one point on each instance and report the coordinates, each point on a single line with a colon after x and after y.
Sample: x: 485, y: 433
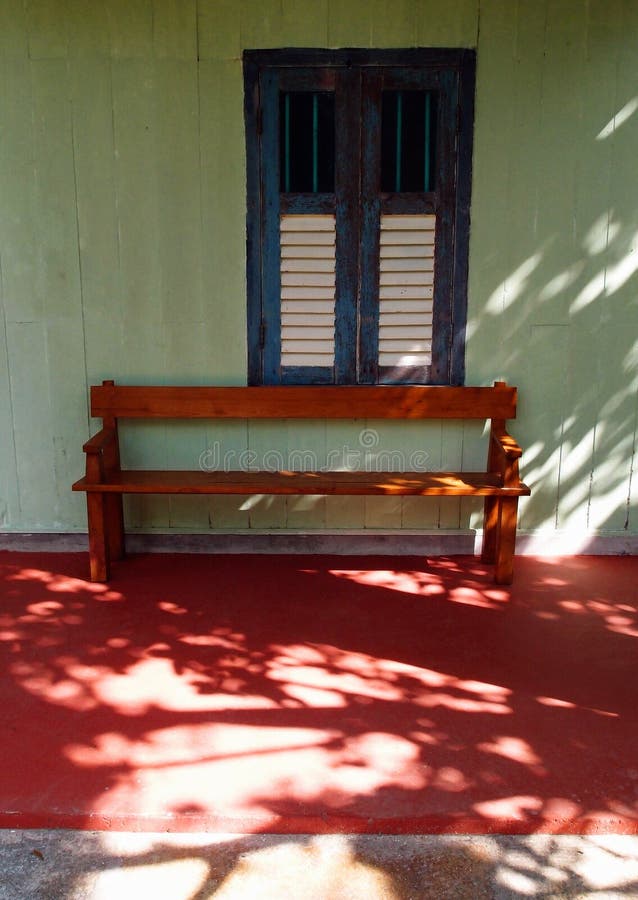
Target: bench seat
x: 409, y: 484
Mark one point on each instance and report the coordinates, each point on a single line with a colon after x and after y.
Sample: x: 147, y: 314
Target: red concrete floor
x: 319, y: 694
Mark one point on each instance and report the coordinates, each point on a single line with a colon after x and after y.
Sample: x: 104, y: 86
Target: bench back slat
x: 304, y: 402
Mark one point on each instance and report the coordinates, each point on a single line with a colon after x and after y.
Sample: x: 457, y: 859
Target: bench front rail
x: 105, y: 482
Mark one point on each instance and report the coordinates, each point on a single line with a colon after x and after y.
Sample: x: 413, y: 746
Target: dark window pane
x: 408, y: 141
x: 307, y: 142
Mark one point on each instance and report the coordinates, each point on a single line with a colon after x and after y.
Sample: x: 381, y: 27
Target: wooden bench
x: 106, y: 482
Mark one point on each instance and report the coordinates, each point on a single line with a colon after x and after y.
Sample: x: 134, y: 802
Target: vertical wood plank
x: 131, y: 28
x: 178, y: 196
x: 421, y: 444
x: 343, y: 453
x: 223, y: 201
x: 227, y: 448
x: 32, y: 418
x: 304, y: 24
x: 58, y: 282
x: 380, y: 449
x: 267, y: 441
x: 349, y: 24
x: 219, y: 30
x: 144, y: 446
x: 94, y: 156
x: 20, y: 256
x: 261, y: 24
x: 393, y: 25
x: 88, y: 30
x: 55, y: 208
x: 67, y: 400
x: 134, y: 100
x: 451, y: 459
x: 9, y: 491
x: 545, y: 414
x: 47, y: 22
x: 175, y: 29
x: 496, y: 103
x: 447, y: 24
x: 306, y: 450
x: 185, y: 444
x: 14, y: 32
x: 473, y: 459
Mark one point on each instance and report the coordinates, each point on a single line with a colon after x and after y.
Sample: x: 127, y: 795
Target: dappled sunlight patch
x: 516, y: 283
x: 346, y: 677
x: 360, y: 676
x: 375, y: 760
x: 58, y: 688
x: 515, y: 749
x: 484, y: 599
x: 210, y: 640
x: 168, y: 606
x: 404, y: 582
x: 430, y: 584
x: 64, y: 584
x: 464, y: 703
x: 620, y: 618
x: 565, y: 704
x: 574, y: 606
x: 196, y: 745
x: 45, y: 608
x: 314, y: 697
x: 518, y: 807
x: 618, y: 119
x: 555, y: 701
x: 208, y: 767
x: 451, y: 780
x: 386, y: 753
x: 152, y: 683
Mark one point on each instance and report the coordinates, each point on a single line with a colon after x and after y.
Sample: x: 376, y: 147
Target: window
x: 358, y: 215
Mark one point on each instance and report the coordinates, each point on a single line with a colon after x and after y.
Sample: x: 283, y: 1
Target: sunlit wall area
x: 123, y: 251
x: 555, y: 251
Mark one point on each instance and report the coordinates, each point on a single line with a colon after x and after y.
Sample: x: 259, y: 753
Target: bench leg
x: 115, y: 526
x: 490, y: 529
x: 98, y: 543
x: 506, y: 540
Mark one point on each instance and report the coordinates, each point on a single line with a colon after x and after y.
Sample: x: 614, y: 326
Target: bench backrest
x: 109, y: 400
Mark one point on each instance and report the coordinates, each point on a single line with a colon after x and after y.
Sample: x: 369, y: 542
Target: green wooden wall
x: 122, y: 247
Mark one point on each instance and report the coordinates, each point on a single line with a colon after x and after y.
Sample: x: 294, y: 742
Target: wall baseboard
x: 369, y: 541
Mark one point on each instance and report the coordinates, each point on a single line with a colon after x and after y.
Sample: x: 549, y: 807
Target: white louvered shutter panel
x: 307, y: 290
x: 406, y: 288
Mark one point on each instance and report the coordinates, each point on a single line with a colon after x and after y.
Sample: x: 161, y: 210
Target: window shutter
x: 307, y: 249
x: 406, y: 286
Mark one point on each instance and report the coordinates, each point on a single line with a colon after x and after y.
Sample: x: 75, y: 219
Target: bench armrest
x: 504, y: 455
x: 102, y: 455
x: 104, y: 438
x: 505, y: 445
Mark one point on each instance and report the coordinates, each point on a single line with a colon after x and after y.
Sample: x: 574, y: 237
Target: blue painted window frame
x: 358, y: 78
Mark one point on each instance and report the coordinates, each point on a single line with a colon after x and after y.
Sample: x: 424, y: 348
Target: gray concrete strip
x: 76, y: 865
